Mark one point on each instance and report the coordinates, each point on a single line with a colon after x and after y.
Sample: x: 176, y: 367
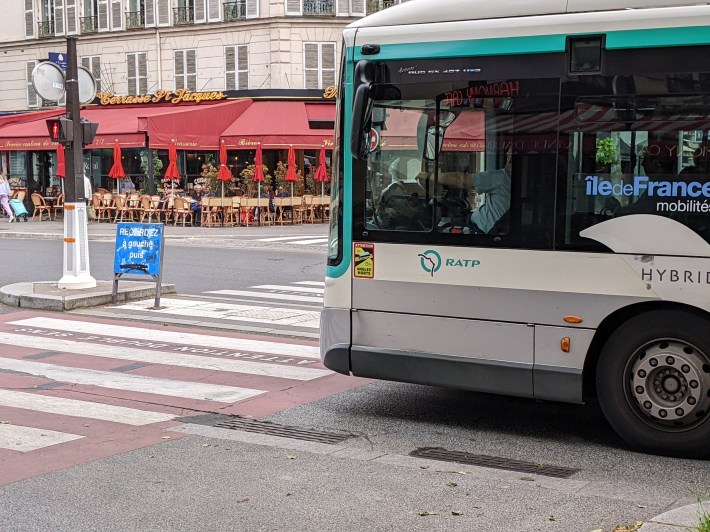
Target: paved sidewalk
x: 684, y: 519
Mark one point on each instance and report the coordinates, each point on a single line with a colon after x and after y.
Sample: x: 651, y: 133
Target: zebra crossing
x: 75, y: 389
x: 292, y: 309
x: 302, y: 240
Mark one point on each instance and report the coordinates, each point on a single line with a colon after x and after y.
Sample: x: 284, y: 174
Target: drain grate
x: 273, y: 429
x: 496, y: 462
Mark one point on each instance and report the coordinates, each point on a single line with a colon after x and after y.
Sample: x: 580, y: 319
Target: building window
x: 373, y: 6
x: 184, y: 13
x: 32, y: 96
x: 186, y: 69
x: 319, y: 64
x: 29, y: 18
x: 137, y: 73
x: 236, y: 67
x: 46, y: 24
x: 93, y: 65
x: 90, y: 21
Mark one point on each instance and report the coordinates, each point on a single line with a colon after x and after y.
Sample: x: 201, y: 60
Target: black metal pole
x: 74, y: 180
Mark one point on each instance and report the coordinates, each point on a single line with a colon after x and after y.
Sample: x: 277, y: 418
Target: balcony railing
x: 234, y: 11
x: 46, y: 29
x: 183, y: 15
x: 89, y: 24
x: 319, y: 7
x: 373, y: 6
x: 135, y: 20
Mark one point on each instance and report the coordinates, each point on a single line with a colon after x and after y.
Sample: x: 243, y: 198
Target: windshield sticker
x: 364, y: 260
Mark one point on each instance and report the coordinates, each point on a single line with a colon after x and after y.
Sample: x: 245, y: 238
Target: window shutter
x: 32, y: 97
x: 96, y: 71
x: 70, y: 8
x: 252, y: 8
x: 58, y: 17
x: 131, y: 74
x: 200, y: 12
x: 328, y: 64
x: 179, y: 69
x: 149, y: 13
x: 103, y: 15
x: 243, y: 66
x: 163, y: 8
x: 357, y: 8
x: 191, y: 69
x: 116, y: 15
x: 294, y: 7
x: 343, y: 7
x: 230, y: 67
x: 214, y: 15
x: 142, y: 73
x: 310, y: 65
x: 29, y: 18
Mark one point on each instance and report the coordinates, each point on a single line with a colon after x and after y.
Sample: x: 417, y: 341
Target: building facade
x: 136, y: 47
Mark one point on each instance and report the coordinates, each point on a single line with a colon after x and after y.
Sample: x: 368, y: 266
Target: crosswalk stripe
x: 304, y: 289
x: 267, y: 295
x: 311, y: 283
x: 23, y: 439
x: 77, y: 408
x: 233, y: 312
x: 134, y: 383
x: 162, y: 357
x: 176, y: 337
x: 286, y: 238
x: 323, y: 241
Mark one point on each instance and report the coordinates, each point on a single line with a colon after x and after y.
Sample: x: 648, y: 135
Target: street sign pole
x: 76, y: 240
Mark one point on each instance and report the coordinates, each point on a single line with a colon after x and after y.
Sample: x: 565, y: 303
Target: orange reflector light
x: 69, y: 207
x: 564, y: 344
x: 69, y: 240
x: 573, y: 319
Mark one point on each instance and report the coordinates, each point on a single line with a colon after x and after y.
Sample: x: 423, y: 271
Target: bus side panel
x: 467, y: 354
x: 335, y: 339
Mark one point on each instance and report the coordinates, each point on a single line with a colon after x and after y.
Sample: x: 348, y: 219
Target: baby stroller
x: 19, y: 209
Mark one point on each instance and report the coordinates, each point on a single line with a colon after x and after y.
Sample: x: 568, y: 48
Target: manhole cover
x: 496, y: 462
x: 273, y: 429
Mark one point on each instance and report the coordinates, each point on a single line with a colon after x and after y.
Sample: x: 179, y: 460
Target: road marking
x: 285, y: 238
x: 76, y: 408
x: 311, y: 283
x: 304, y: 289
x: 162, y: 357
x: 175, y: 337
x: 266, y: 295
x: 323, y: 241
x: 23, y: 439
x: 134, y: 383
x: 232, y: 312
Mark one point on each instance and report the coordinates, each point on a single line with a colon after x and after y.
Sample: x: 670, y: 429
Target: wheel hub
x: 670, y: 381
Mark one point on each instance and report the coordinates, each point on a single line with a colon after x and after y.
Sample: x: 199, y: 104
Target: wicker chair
x: 41, y: 207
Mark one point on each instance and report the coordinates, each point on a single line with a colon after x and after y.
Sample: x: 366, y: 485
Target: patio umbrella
x: 172, y: 170
x: 117, y: 172
x: 258, y: 172
x: 291, y: 176
x: 321, y: 174
x: 224, y: 174
x: 61, y: 165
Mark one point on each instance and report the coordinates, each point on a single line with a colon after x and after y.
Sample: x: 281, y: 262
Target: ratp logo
x: 430, y: 261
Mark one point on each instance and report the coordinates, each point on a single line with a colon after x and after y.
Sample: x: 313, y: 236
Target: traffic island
x: 48, y: 296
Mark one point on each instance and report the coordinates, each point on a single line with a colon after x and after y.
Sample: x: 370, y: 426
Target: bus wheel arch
x: 653, y: 380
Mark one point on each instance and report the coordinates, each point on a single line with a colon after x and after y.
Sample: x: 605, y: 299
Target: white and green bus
x: 521, y: 206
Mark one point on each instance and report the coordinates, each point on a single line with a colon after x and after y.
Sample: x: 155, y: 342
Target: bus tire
x: 653, y: 383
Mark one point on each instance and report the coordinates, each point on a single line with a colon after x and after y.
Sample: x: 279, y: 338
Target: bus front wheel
x: 653, y: 383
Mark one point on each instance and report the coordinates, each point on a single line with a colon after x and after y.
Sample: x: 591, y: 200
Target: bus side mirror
x: 362, y: 122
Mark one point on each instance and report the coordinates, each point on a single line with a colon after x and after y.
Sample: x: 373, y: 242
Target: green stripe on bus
x: 686, y: 36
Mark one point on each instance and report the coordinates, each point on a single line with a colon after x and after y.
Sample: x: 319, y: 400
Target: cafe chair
x: 148, y: 209
x: 106, y: 207
x: 58, y: 207
x: 122, y: 209
x: 40, y: 206
x: 182, y: 212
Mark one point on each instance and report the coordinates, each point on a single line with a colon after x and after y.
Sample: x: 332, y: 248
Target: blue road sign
x: 59, y: 59
x: 138, y: 249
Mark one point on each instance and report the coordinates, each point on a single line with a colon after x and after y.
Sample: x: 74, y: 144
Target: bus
x: 520, y: 205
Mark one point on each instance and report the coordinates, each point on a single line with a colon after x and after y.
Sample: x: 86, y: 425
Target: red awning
x: 466, y: 133
x: 277, y: 125
x: 320, y: 112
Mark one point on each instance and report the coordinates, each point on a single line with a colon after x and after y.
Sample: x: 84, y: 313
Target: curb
x: 683, y: 519
x: 24, y: 295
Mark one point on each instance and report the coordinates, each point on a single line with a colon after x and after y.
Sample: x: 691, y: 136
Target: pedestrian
x: 4, y: 194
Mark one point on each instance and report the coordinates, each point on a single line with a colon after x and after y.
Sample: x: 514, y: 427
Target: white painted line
x: 232, y: 312
x: 285, y: 238
x: 304, y: 289
x: 23, y: 439
x: 311, y: 283
x: 132, y: 354
x: 76, y: 408
x: 323, y: 241
x: 266, y: 295
x: 133, y: 383
x: 175, y: 337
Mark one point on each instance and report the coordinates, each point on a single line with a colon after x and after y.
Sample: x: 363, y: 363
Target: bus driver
x: 496, y: 185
